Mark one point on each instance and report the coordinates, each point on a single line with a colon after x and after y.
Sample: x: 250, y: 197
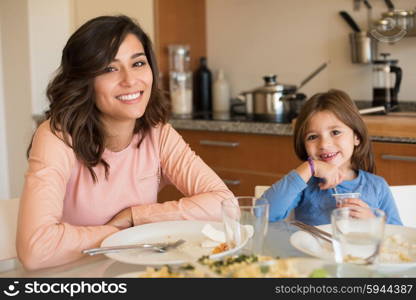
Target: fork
x: 316, y: 232
x: 158, y: 247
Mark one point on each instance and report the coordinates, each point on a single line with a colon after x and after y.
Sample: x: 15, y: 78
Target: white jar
x: 221, y: 94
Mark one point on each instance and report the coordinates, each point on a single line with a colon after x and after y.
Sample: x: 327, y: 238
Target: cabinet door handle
x: 219, y: 143
x: 398, y: 157
x: 231, y: 181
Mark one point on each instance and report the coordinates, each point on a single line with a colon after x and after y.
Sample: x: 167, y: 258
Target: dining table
x: 276, y: 244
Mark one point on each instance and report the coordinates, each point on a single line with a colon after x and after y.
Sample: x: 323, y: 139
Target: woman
x: 98, y: 161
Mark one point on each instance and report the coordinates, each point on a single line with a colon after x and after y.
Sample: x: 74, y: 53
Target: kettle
x: 385, y: 92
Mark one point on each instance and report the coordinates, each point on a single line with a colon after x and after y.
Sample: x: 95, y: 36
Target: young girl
x: 332, y: 140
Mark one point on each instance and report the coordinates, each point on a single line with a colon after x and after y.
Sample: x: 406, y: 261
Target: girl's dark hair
x: 341, y: 105
x: 72, y: 110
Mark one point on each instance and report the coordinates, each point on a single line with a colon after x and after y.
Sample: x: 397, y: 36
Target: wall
x: 4, y: 177
x: 141, y: 10
x: 17, y: 88
x: 50, y: 24
x: 291, y: 38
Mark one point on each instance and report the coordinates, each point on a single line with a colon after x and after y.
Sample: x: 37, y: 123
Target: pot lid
x: 272, y: 86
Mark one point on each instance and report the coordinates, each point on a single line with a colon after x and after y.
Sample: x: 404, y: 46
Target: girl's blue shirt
x: 313, y: 205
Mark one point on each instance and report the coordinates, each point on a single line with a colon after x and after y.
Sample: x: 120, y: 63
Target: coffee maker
x: 386, y: 86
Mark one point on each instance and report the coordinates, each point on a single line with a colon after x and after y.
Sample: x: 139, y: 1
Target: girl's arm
x: 43, y: 240
x: 388, y: 205
x: 331, y: 175
x: 284, y: 195
x: 202, y: 187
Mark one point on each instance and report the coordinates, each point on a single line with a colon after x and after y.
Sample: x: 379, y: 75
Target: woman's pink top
x: 63, y: 212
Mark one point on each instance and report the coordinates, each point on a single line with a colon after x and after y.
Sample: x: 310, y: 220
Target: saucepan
x: 274, y: 101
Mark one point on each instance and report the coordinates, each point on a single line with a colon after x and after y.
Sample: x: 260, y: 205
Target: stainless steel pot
x: 403, y: 18
x: 274, y: 101
x: 264, y: 103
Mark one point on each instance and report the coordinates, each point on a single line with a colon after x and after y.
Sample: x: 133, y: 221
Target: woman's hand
x: 331, y: 175
x: 122, y: 220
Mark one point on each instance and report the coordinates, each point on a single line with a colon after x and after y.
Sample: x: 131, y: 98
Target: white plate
x: 131, y: 274
x: 304, y: 266
x: 306, y: 243
x: 169, y: 231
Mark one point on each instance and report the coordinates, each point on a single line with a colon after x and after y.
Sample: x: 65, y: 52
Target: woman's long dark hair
x: 341, y: 105
x: 72, y: 110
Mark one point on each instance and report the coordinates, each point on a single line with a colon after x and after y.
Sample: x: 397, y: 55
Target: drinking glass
x: 357, y: 235
x: 244, y: 218
x: 339, y: 198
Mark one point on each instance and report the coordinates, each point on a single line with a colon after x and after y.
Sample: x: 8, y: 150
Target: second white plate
x: 306, y: 243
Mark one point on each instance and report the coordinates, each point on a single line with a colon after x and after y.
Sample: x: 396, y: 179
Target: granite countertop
x: 397, y: 129
x: 393, y: 127
x: 234, y: 126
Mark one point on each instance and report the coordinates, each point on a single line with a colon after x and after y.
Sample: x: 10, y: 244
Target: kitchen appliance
x: 274, y: 101
x: 180, y: 81
x: 386, y: 86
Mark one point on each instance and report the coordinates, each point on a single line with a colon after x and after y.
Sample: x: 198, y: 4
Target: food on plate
x: 215, y: 238
x: 241, y: 266
x: 397, y: 249
x: 185, y: 271
x: 220, y: 248
x: 319, y: 273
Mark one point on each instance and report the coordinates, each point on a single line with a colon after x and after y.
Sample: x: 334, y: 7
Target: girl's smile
x: 328, y: 156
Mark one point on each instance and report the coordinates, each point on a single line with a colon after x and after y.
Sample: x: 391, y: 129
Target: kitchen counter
x: 395, y: 128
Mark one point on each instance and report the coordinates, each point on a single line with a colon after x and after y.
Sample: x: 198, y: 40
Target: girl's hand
x: 122, y: 220
x: 361, y: 212
x: 331, y: 174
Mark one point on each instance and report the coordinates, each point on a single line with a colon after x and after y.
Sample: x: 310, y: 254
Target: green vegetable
x: 264, y: 269
x: 319, y: 273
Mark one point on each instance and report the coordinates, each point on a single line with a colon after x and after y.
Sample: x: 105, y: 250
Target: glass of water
x: 357, y: 235
x: 339, y: 198
x: 245, y: 218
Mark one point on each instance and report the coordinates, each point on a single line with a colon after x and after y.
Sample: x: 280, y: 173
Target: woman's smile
x: 130, y: 98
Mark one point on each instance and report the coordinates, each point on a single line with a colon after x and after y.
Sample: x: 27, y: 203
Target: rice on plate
x: 243, y: 266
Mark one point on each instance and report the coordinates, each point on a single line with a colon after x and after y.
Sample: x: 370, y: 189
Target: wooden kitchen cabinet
x: 179, y: 22
x: 396, y: 162
x: 241, y: 160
